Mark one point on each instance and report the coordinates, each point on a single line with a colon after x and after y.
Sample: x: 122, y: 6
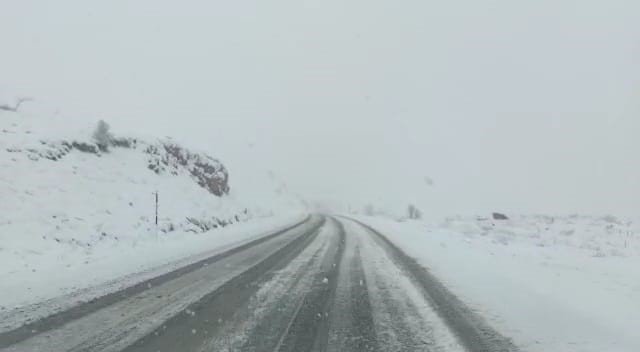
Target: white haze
x: 518, y: 106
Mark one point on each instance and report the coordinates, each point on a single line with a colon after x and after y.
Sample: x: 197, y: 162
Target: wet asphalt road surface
x: 326, y: 284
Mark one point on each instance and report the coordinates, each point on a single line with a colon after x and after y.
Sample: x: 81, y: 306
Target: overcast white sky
x: 519, y: 106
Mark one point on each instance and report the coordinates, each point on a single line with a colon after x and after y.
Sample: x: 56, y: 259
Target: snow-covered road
x: 328, y: 284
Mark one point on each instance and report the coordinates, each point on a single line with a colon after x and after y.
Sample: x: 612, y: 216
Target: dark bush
x: 499, y: 216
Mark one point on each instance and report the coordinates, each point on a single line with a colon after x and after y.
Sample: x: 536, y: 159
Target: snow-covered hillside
x: 553, y: 283
x: 68, y: 201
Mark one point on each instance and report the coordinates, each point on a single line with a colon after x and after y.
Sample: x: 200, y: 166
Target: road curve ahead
x: 327, y: 284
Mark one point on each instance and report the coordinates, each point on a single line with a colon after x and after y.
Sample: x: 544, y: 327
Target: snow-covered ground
x: 553, y: 284
x: 72, y: 219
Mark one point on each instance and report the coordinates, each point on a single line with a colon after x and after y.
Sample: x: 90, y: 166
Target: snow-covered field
x: 553, y: 284
x: 71, y: 219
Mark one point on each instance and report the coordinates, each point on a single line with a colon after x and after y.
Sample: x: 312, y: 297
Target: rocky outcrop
x: 206, y: 171
x: 162, y: 157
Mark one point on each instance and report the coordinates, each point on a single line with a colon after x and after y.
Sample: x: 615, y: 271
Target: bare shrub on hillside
x: 413, y: 212
x: 102, y: 136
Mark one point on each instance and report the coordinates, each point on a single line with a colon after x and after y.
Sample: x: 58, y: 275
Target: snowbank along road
x: 326, y: 284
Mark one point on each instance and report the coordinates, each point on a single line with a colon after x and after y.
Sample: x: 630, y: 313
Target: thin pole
x: 156, y: 208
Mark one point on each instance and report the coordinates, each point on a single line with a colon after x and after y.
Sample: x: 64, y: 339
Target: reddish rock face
x: 207, y: 172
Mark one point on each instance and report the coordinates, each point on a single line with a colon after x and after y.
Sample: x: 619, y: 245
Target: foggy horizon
x: 520, y: 109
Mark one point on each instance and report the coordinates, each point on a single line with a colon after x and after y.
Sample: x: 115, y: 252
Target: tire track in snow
x: 257, y: 325
x: 309, y: 328
x: 403, y: 320
x: 351, y: 325
x: 473, y: 332
x: 204, y: 318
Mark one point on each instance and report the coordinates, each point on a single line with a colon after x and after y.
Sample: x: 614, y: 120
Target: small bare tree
x: 16, y: 106
x: 102, y: 136
x: 413, y: 212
